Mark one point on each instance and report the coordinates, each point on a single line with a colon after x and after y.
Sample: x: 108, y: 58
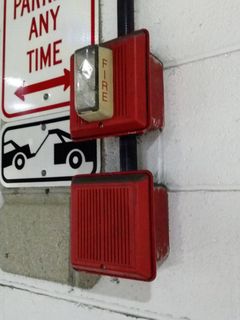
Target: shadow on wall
x: 124, y: 289
x: 1, y: 200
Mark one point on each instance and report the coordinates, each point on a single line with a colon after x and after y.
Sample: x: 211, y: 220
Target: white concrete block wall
x: 198, y: 158
x: 190, y: 30
x: 201, y: 149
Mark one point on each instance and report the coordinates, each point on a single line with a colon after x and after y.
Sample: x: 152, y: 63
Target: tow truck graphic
x: 65, y: 152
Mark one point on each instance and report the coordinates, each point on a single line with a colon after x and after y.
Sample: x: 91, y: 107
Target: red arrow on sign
x: 64, y: 80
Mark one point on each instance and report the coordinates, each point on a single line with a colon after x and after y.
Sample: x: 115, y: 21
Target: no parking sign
x: 38, y: 38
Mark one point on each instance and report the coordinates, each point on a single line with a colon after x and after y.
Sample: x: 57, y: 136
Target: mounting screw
x: 46, y: 96
x: 44, y: 172
x: 44, y: 126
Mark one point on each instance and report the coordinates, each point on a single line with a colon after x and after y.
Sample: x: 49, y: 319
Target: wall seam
x: 187, y: 62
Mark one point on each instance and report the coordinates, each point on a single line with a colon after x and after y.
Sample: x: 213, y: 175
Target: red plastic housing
x: 119, y: 224
x: 138, y: 91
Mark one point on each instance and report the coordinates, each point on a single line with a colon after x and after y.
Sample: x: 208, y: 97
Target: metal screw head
x: 46, y: 96
x: 44, y: 172
x: 44, y: 126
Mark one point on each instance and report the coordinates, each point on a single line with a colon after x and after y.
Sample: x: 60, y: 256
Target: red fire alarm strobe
x: 119, y: 224
x: 116, y: 89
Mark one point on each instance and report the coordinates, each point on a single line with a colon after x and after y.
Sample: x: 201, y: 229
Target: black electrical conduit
x: 128, y: 144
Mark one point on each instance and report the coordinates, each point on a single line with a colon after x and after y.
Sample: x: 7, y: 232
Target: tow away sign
x: 39, y: 37
x: 41, y: 153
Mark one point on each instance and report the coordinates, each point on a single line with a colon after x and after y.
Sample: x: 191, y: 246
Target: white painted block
x: 108, y: 19
x: 27, y: 306
x: 189, y: 29
x: 202, y: 132
x: 150, y: 154
x: 2, y: 303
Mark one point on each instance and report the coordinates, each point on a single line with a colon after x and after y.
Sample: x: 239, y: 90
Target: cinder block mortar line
x: 194, y: 190
x: 169, y: 65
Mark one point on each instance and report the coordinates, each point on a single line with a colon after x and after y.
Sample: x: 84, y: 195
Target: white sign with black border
x: 41, y: 153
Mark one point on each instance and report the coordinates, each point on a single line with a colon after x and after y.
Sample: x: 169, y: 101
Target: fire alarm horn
x: 119, y: 224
